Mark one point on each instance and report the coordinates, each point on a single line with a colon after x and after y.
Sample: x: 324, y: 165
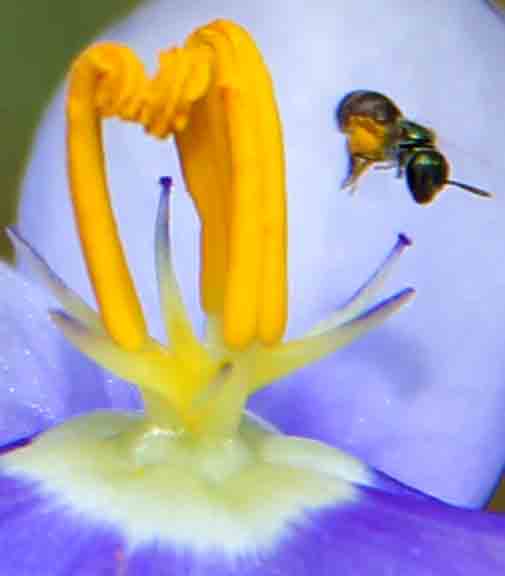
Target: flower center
x: 216, y: 96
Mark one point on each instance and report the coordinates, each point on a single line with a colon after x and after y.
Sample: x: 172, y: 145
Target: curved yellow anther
x: 104, y: 81
x: 232, y: 156
x: 215, y: 93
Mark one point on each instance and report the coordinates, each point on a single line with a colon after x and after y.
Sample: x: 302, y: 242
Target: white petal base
x: 239, y: 495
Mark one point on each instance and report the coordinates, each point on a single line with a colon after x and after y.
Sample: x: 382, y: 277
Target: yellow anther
x: 216, y: 95
x: 240, y: 162
x: 99, y: 80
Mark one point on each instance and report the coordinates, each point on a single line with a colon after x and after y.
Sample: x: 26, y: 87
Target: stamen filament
x: 69, y: 299
x: 97, y: 346
x: 367, y: 292
x: 287, y: 358
x: 153, y: 368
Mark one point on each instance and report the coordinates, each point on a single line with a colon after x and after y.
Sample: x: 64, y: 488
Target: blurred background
x: 37, y: 42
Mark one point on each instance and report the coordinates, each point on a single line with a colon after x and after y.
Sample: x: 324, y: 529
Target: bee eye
x: 426, y: 173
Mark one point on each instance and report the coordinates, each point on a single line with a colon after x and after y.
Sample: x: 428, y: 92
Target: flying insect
x: 379, y: 134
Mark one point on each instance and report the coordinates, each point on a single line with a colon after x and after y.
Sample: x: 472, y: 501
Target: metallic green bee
x: 378, y: 133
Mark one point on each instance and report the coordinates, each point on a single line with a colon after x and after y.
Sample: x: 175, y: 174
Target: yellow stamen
x: 216, y: 94
x: 244, y: 262
x: 118, y: 302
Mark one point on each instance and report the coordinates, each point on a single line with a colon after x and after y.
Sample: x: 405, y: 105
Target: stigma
x: 215, y: 96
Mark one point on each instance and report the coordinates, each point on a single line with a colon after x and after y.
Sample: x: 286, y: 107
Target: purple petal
x: 40, y: 536
x: 378, y: 533
x: 423, y: 397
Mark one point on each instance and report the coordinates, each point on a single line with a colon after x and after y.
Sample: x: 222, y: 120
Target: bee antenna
x: 472, y: 189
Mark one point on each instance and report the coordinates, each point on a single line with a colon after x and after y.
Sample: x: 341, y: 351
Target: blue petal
x: 55, y: 542
x: 423, y: 397
x: 377, y: 533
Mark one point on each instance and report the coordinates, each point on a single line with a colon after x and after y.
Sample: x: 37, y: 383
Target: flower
x: 414, y: 391
x: 195, y: 484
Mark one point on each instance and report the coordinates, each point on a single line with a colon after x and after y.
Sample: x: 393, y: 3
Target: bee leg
x: 358, y: 165
x: 401, y: 159
x: 386, y: 166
